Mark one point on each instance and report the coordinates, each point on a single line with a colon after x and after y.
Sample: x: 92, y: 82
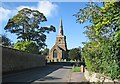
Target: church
x: 59, y: 50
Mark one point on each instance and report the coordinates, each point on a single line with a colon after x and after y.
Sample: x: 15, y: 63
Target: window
x: 55, y: 53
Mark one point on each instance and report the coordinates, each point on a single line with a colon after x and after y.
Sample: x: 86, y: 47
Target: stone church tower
x: 59, y: 50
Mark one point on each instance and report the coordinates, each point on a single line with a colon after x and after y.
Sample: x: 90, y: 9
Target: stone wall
x: 96, y: 77
x: 13, y: 60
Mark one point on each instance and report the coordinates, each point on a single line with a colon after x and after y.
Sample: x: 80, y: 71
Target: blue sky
x: 53, y: 11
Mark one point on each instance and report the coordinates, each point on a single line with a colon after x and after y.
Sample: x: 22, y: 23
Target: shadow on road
x: 31, y: 75
x: 49, y: 78
x: 62, y: 63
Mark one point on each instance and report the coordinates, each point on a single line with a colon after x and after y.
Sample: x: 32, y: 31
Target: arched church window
x: 55, y: 53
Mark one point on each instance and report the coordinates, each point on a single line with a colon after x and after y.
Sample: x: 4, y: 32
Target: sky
x: 53, y: 11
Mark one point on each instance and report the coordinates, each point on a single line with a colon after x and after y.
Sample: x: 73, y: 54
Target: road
x: 60, y: 75
x: 49, y: 73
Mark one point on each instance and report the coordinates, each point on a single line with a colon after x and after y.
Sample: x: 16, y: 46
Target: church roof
x: 56, y: 47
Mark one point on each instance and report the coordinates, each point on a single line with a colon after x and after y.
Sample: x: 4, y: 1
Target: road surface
x: 49, y: 73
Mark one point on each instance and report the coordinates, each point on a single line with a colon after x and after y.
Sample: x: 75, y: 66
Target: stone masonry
x: 59, y: 50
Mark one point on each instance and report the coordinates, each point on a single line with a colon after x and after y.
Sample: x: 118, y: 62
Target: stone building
x: 59, y: 50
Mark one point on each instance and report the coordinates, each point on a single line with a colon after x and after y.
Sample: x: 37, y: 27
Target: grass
x: 76, y: 69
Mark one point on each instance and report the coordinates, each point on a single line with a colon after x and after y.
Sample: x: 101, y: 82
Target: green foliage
x: 28, y: 46
x: 76, y: 69
x: 74, y: 54
x: 44, y: 52
x: 102, y: 52
x: 5, y: 41
x: 26, y: 25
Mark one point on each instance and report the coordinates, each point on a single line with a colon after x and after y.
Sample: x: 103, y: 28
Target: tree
x: 28, y: 46
x: 74, y: 54
x: 26, y: 25
x: 101, y: 52
x: 44, y: 52
x: 4, y: 40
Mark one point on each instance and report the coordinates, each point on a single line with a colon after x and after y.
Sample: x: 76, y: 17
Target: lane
x: 49, y: 73
x: 30, y: 75
x: 60, y: 75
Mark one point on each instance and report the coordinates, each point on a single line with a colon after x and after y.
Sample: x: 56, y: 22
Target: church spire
x: 61, y: 28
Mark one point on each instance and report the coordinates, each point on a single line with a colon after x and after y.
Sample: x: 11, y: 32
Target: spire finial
x: 61, y: 28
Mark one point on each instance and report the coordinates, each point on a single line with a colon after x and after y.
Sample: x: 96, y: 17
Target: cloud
x: 21, y: 7
x: 45, y: 7
x: 4, y: 14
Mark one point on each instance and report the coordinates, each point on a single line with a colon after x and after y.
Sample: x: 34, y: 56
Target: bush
x: 28, y: 46
x: 74, y: 54
x: 102, y: 58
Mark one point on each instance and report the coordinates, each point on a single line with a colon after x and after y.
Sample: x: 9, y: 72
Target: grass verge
x: 76, y: 69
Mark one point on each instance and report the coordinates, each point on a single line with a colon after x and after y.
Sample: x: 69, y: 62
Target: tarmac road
x: 60, y: 75
x: 49, y: 73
